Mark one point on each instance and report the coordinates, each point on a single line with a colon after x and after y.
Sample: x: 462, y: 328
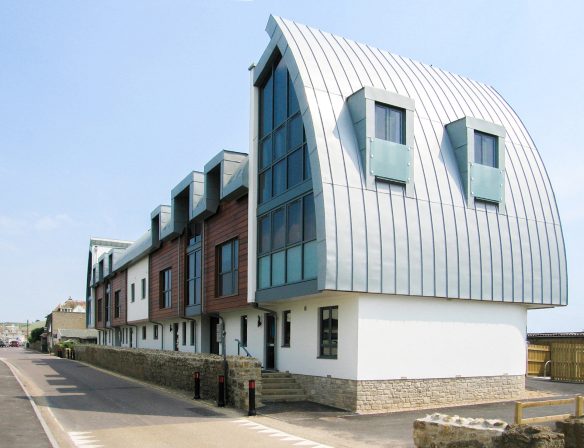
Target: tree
x: 35, y: 335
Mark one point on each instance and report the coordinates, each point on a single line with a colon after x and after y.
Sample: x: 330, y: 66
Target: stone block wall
x: 175, y: 370
x: 390, y: 395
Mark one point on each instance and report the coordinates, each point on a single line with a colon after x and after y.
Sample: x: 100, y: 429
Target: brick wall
x: 175, y: 370
x: 228, y: 223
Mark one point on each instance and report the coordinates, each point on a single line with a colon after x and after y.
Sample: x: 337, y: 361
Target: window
x: 192, y: 333
x: 286, y: 321
x: 155, y: 331
x: 101, y: 270
x: 243, y: 327
x: 117, y: 304
x: 93, y: 276
x: 143, y: 288
x: 283, y: 157
x: 144, y: 332
x: 107, y: 303
x: 99, y: 305
x: 184, y: 333
x: 166, y: 288
x: 133, y: 292
x: 110, y: 260
x: 287, y: 244
x: 329, y: 331
x: 390, y: 123
x: 485, y: 149
x: 228, y: 268
x: 194, y: 278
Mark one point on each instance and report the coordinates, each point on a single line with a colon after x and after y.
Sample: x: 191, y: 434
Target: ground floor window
x: 329, y: 331
x: 192, y: 332
x: 243, y: 336
x: 184, y: 333
x: 286, y: 323
x: 155, y: 331
x: 144, y: 332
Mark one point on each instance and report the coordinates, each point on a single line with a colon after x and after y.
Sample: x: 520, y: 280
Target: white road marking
x: 84, y: 440
x: 284, y: 436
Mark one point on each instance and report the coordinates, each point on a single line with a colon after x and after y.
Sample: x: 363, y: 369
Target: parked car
x: 14, y: 344
x: 2, y: 343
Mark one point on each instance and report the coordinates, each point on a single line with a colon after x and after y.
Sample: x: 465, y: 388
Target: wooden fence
x: 537, y: 356
x: 567, y: 362
x: 521, y: 405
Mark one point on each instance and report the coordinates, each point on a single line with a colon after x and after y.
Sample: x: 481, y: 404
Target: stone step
x: 272, y: 392
x: 278, y: 380
x: 276, y: 375
x: 280, y: 385
x: 274, y: 398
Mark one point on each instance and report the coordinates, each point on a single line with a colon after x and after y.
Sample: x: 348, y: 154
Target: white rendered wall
x: 137, y: 310
x: 416, y: 337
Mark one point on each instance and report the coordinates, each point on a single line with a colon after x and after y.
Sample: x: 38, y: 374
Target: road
x: 87, y: 407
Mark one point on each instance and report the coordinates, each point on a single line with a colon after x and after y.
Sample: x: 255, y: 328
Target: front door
x: 214, y: 335
x: 175, y: 331
x: 270, y: 339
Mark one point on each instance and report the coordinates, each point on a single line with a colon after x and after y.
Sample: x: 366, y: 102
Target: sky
x: 106, y: 105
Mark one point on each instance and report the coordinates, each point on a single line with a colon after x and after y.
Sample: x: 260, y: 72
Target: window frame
x: 192, y: 333
x: 133, y: 292
x: 484, y: 136
x: 197, y: 290
x: 387, y: 121
x: 184, y: 334
x: 117, y: 304
x: 155, y: 334
x: 165, y: 301
x: 243, y: 330
x: 286, y: 328
x: 143, y: 288
x: 233, y: 271
x: 321, y: 331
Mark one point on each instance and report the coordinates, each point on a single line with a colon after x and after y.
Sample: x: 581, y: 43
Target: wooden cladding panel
x: 119, y: 283
x: 228, y: 223
x: 171, y: 255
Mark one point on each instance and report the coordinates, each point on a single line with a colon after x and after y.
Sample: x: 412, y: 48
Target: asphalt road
x: 87, y: 407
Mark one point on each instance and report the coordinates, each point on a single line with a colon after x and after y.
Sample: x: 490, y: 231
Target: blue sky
x: 106, y: 105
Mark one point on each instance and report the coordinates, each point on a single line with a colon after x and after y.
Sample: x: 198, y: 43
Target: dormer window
x: 390, y: 123
x: 384, y: 126
x: 485, y: 149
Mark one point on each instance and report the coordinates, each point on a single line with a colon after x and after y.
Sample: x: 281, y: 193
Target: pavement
x: 85, y: 406
x: 19, y: 424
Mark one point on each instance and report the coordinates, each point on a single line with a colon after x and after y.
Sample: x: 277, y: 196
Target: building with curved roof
x: 382, y: 242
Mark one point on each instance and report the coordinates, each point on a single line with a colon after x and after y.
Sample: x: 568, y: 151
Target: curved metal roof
x: 430, y: 244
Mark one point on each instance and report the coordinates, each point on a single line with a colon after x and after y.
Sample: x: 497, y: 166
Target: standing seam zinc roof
x: 430, y: 244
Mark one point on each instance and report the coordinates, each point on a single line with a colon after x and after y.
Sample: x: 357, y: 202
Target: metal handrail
x: 240, y: 345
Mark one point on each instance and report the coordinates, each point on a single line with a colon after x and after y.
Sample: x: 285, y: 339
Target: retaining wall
x: 175, y: 370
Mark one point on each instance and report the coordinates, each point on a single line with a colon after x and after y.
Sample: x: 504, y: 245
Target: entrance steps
x: 280, y: 386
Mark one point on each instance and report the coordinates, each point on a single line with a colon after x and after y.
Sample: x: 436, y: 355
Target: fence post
x: 518, y: 412
x: 221, y: 392
x: 579, y: 406
x: 197, y: 377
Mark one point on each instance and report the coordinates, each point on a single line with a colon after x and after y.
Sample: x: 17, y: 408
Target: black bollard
x: 197, y: 377
x: 221, y: 392
x: 252, y: 406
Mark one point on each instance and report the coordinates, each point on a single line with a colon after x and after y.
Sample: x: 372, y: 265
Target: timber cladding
x: 170, y: 255
x: 119, y: 285
x: 100, y: 306
x: 228, y: 223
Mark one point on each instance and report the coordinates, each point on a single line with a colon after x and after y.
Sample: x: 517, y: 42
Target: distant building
x: 69, y: 315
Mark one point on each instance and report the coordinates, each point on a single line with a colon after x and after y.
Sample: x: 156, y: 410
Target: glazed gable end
x: 429, y: 240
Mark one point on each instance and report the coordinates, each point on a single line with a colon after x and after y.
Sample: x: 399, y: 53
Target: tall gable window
x: 117, y: 304
x: 287, y: 255
x: 194, y: 278
x: 283, y: 153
